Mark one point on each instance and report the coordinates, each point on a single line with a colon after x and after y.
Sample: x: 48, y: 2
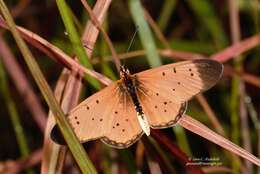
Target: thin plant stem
x: 16, y: 122
x: 77, y: 45
x: 76, y: 148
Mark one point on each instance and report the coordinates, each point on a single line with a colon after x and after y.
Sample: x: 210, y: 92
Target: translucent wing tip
x: 210, y: 71
x: 57, y: 136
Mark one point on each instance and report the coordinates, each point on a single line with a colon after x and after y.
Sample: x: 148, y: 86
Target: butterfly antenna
x: 132, y: 40
x: 131, y: 43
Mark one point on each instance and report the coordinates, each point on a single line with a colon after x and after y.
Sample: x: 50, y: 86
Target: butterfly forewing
x: 181, y: 81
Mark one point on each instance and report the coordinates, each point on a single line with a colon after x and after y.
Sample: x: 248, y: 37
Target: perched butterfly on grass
x: 156, y: 98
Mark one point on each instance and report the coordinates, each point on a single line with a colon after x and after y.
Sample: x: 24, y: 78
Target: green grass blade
x: 76, y: 148
x: 148, y: 41
x: 207, y: 16
x: 166, y: 13
x: 77, y: 45
x: 145, y: 33
x: 193, y: 46
x: 18, y: 129
x: 182, y: 139
x: 129, y: 160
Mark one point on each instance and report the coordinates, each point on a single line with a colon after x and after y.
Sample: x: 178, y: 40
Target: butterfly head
x: 124, y: 71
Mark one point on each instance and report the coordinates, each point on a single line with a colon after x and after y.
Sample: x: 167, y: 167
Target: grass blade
x: 75, y: 40
x: 145, y: 33
x: 18, y: 129
x: 206, y: 14
x: 198, y: 128
x: 166, y: 12
x: 76, y: 148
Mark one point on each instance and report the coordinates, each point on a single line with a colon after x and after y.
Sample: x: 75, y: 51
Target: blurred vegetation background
x: 169, y: 31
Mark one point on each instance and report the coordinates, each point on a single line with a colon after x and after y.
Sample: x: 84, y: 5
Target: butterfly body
x: 131, y: 86
x: 156, y: 98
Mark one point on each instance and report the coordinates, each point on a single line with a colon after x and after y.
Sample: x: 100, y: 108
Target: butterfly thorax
x: 130, y: 88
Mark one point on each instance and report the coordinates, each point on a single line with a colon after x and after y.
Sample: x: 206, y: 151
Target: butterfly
x: 156, y: 98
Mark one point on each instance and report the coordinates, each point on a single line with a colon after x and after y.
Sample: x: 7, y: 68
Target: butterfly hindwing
x: 125, y: 129
x: 92, y: 118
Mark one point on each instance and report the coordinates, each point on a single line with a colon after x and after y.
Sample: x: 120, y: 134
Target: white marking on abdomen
x: 144, y: 123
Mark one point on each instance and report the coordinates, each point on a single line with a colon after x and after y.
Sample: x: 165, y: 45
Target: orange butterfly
x: 120, y: 113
